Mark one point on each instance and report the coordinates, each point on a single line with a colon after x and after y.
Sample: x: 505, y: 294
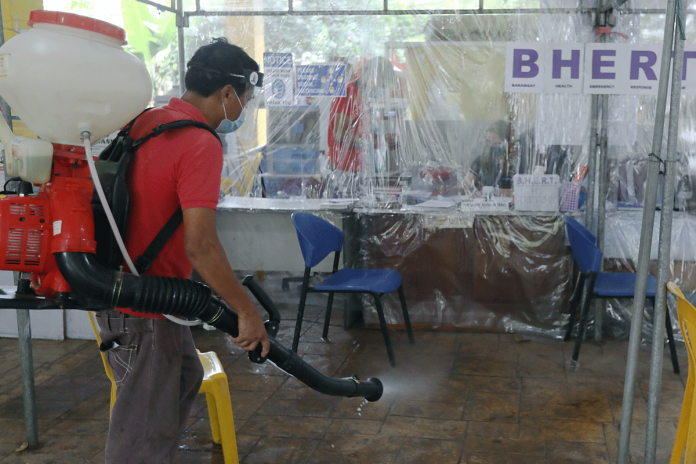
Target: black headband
x: 250, y: 77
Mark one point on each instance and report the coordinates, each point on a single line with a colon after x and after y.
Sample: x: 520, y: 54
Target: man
x: 349, y: 125
x: 493, y: 167
x: 154, y: 361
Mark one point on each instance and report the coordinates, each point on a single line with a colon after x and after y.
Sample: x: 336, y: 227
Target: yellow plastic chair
x: 686, y: 431
x: 217, y: 394
x: 107, y: 368
x: 247, y: 169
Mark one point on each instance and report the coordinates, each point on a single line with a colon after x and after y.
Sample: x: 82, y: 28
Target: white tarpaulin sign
x: 619, y: 69
x: 562, y: 73
x: 524, y: 67
x: 544, y: 68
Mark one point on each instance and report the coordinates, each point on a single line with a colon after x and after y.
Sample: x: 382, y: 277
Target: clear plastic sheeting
x: 427, y: 145
x: 397, y: 113
x: 621, y: 255
x: 502, y: 272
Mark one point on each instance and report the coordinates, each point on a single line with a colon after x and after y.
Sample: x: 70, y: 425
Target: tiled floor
x: 454, y: 398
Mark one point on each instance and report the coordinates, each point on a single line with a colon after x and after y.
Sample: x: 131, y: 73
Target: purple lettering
x: 645, y: 60
x: 525, y: 58
x: 687, y: 55
x: 573, y: 63
x: 598, y: 64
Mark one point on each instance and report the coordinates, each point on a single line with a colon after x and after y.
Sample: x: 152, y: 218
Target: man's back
x: 181, y: 167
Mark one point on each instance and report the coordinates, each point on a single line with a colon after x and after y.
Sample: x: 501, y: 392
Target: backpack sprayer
x: 49, y: 236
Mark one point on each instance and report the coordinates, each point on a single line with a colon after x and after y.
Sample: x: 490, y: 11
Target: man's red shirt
x: 181, y: 167
x: 344, y: 157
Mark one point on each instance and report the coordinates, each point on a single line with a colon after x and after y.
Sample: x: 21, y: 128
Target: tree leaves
x: 150, y: 32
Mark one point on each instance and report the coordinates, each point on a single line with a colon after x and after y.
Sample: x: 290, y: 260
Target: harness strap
x: 144, y: 261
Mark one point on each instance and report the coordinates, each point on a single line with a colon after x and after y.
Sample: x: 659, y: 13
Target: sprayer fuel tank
x: 69, y: 72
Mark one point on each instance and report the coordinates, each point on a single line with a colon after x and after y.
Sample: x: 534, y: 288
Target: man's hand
x: 251, y: 333
x: 206, y: 254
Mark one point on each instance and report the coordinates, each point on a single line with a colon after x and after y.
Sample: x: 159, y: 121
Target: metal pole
x: 592, y: 165
x: 23, y: 324
x: 180, y: 23
x: 649, y: 204
x: 27, y: 361
x: 411, y: 12
x: 663, y: 257
x: 600, y: 172
x: 602, y: 207
x: 600, y: 20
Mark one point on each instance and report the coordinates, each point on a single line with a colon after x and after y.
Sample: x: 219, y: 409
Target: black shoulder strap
x: 144, y: 261
x: 185, y: 123
x: 126, y: 130
x: 159, y: 130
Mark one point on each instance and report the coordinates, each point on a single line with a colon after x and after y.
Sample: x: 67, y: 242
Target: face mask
x: 227, y: 126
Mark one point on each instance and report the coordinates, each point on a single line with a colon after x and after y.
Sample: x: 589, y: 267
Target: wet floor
x: 453, y: 398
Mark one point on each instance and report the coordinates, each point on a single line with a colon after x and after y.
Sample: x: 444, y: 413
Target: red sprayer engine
x: 66, y: 76
x: 57, y: 219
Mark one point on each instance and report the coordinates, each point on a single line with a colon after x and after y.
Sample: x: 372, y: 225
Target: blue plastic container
x: 294, y: 160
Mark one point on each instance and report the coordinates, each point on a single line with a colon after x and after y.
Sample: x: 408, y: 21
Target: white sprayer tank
x: 69, y: 72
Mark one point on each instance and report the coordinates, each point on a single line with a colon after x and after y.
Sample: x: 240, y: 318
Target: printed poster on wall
x: 321, y: 80
x: 278, y: 79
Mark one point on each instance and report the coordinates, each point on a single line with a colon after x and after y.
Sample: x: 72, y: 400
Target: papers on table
x: 435, y: 203
x: 479, y: 204
x: 339, y: 203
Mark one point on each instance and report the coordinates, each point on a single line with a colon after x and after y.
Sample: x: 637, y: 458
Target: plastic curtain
x: 406, y: 113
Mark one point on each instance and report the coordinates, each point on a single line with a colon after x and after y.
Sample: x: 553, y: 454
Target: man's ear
x: 226, y: 93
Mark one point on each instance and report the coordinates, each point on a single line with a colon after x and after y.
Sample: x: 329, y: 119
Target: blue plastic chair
x: 318, y: 238
x: 595, y: 284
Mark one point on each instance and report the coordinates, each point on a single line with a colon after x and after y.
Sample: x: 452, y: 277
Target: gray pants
x: 158, y: 375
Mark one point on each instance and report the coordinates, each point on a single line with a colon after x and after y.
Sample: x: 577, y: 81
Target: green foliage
x: 352, y: 37
x: 151, y: 36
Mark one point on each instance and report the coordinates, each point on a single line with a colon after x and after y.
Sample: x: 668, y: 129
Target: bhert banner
x: 596, y: 68
x: 544, y: 68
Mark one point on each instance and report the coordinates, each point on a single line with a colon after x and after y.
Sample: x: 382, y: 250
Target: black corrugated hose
x: 97, y: 288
